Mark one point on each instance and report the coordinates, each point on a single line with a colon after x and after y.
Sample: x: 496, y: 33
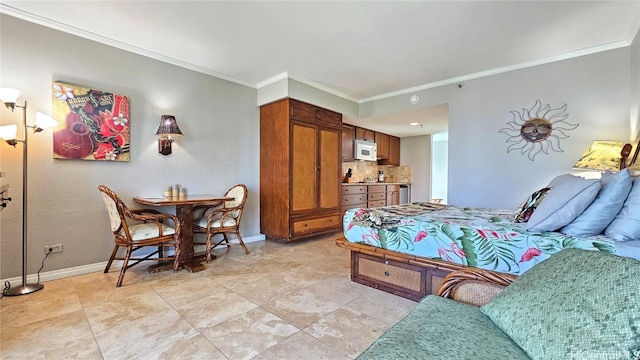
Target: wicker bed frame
x: 409, y: 276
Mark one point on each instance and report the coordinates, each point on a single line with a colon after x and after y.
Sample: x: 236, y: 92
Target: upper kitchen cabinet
x: 393, y: 152
x: 348, y: 134
x: 382, y: 140
x: 365, y: 134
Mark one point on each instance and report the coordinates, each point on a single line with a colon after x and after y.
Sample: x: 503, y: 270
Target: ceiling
x: 360, y: 50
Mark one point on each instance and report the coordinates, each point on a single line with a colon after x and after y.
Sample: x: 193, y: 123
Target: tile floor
x: 282, y: 301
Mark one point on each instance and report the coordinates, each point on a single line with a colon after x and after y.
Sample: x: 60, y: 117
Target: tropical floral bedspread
x: 483, y: 238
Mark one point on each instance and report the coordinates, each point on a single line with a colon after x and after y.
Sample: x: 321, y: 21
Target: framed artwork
x: 538, y: 129
x: 94, y: 124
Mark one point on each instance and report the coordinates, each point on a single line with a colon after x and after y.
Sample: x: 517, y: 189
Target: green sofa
x: 578, y: 304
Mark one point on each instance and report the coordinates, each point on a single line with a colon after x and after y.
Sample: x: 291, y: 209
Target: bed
x: 408, y: 249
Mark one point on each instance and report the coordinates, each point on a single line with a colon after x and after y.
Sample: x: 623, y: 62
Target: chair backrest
x: 111, y: 201
x: 239, y: 193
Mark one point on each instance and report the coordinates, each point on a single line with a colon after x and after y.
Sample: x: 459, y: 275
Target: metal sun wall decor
x: 537, y: 129
x: 94, y: 124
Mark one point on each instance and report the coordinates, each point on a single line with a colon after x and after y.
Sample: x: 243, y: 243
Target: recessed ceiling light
x: 414, y: 124
x: 414, y: 99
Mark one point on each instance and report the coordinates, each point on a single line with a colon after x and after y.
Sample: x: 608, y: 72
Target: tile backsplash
x: 361, y: 170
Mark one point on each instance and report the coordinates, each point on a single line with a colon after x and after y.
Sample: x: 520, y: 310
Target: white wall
x: 440, y: 166
x: 481, y: 172
x: 220, y: 148
x: 635, y: 90
x: 415, y: 152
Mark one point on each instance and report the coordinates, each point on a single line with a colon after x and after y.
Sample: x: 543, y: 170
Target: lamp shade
x: 44, y: 121
x: 601, y: 155
x: 8, y: 132
x: 168, y: 126
x: 9, y: 95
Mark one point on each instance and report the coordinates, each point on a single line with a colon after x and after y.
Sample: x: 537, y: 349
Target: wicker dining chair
x: 222, y: 219
x: 134, y: 229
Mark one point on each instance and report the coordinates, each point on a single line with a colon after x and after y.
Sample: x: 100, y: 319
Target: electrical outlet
x: 53, y: 249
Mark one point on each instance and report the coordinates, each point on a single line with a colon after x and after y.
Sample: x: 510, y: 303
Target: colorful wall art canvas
x: 94, y: 124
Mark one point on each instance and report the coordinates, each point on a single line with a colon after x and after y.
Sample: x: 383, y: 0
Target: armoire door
x: 304, y: 140
x: 330, y: 166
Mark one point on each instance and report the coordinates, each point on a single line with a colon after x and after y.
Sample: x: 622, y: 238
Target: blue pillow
x: 563, y: 203
x: 604, y: 208
x: 626, y: 225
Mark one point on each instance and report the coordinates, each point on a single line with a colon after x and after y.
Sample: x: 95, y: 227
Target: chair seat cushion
x: 228, y: 222
x: 148, y: 230
x: 440, y: 328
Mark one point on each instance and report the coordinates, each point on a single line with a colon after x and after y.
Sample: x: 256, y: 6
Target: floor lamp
x: 8, y: 133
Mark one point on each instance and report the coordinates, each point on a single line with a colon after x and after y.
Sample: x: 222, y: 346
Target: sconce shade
x: 602, y: 155
x: 44, y: 121
x: 9, y: 95
x: 8, y: 132
x: 168, y: 126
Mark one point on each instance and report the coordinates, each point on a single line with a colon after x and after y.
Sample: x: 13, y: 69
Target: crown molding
x: 481, y: 74
x: 27, y: 16
x: 635, y: 28
x: 9, y: 10
x: 272, y: 80
x: 324, y: 88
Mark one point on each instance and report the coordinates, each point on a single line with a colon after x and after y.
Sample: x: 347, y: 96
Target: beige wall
x: 220, y: 146
x: 635, y: 90
x: 415, y: 152
x: 481, y: 173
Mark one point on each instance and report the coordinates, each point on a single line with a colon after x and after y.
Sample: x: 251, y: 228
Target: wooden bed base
x: 409, y: 276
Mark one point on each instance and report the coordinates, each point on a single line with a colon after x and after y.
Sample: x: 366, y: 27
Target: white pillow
x: 595, y: 219
x: 566, y: 200
x: 626, y: 225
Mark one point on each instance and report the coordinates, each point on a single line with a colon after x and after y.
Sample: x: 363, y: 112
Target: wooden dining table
x: 184, y: 212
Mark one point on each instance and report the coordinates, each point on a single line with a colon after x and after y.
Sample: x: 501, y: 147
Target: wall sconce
x: 8, y: 133
x: 168, y: 128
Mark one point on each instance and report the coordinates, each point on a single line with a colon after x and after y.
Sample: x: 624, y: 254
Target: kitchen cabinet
x: 353, y: 196
x: 368, y: 196
x: 348, y: 135
x: 382, y: 140
x: 393, y: 195
x: 300, y: 170
x: 365, y: 134
x: 393, y: 152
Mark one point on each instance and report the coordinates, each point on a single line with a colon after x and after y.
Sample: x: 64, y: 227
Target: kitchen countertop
x: 376, y: 183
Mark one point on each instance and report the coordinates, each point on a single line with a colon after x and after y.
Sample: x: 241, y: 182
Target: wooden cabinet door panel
x: 382, y: 141
x: 303, y: 167
x: 347, y: 142
x: 329, y: 163
x: 365, y: 134
x: 394, y: 150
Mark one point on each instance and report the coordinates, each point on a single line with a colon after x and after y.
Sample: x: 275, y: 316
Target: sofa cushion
x: 604, y: 208
x: 569, y: 197
x: 440, y: 328
x: 577, y: 304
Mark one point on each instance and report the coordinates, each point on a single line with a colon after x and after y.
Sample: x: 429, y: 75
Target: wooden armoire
x: 300, y: 170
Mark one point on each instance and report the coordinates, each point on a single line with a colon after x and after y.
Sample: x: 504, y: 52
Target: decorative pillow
x: 528, y: 206
x: 578, y: 304
x: 563, y: 203
x: 561, y: 179
x: 605, y: 207
x: 626, y: 225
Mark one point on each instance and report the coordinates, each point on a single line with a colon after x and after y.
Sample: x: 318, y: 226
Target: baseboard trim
x: 85, y: 269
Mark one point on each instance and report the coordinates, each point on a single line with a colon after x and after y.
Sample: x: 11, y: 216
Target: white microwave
x: 365, y: 150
